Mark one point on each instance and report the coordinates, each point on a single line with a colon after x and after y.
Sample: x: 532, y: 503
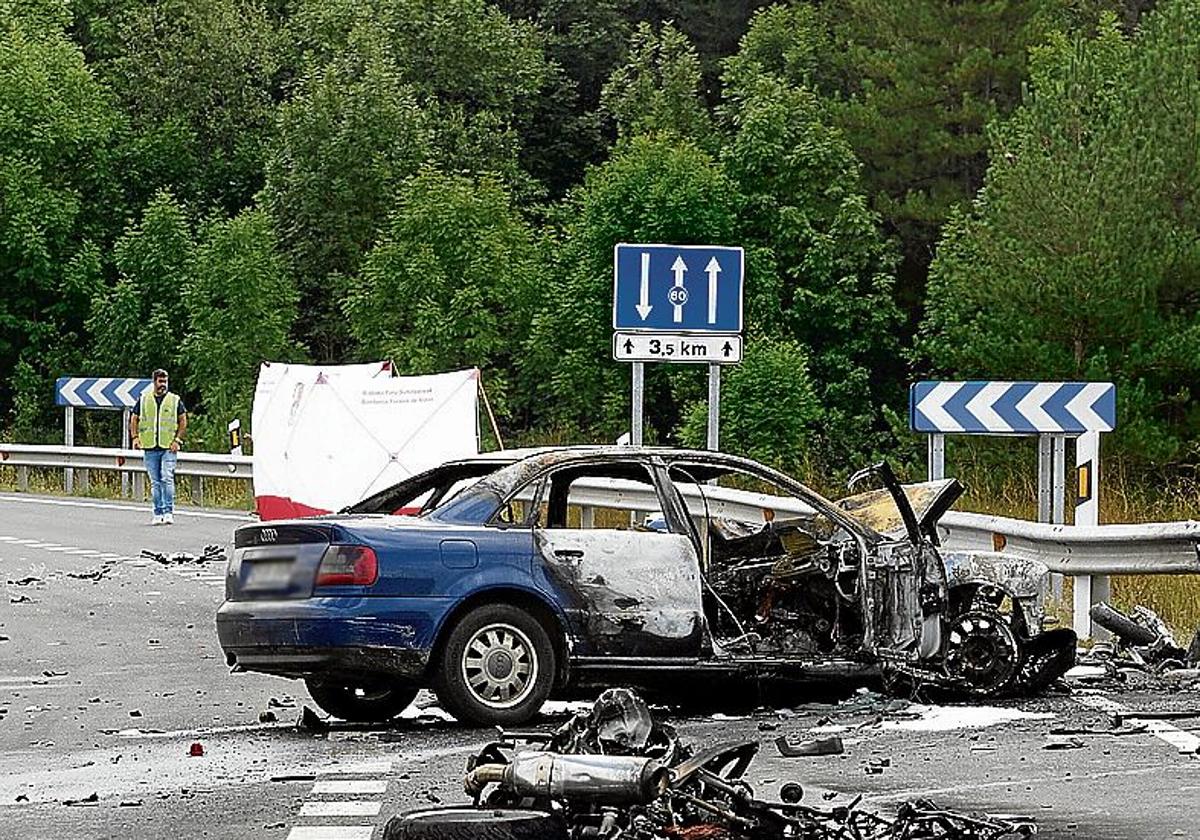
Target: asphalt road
x: 110, y: 671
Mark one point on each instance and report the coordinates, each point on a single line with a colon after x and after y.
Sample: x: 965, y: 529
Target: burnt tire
x: 496, y: 668
x: 475, y: 824
x: 1048, y: 656
x: 1122, y: 626
x: 364, y: 703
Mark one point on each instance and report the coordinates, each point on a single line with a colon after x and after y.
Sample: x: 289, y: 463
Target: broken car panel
x: 522, y: 578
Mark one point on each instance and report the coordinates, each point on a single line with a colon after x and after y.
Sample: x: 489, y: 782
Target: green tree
x: 654, y: 189
x: 913, y: 85
x: 659, y: 88
x: 452, y: 282
x: 1080, y: 259
x: 770, y: 409
x: 140, y: 323
x: 823, y: 273
x: 56, y: 125
x: 387, y: 87
x: 241, y: 305
x: 196, y: 80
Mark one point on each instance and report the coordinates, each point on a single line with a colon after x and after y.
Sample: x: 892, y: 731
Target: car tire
x: 475, y: 824
x: 497, y: 667
x: 369, y: 703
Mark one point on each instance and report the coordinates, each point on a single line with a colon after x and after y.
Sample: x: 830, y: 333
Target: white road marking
x: 331, y: 832
x: 1184, y: 742
x: 140, y: 510
x: 361, y: 768
x: 355, y: 786
x: 340, y: 809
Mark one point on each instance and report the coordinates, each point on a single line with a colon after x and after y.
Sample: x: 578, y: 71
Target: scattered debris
x: 196, y: 750
x: 91, y: 799
x: 267, y: 717
x: 129, y: 803
x: 25, y: 581
x: 97, y: 573
x: 212, y: 553
x: 615, y: 773
x: 22, y: 797
x: 310, y: 721
x: 831, y: 745
x: 20, y: 599
x: 135, y: 712
x: 295, y: 777
x: 4, y: 638
x: 1067, y: 743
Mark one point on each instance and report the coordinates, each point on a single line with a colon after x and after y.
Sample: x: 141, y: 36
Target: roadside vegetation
x: 1002, y: 190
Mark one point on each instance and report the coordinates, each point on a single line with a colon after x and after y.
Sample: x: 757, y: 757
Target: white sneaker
x: 157, y: 519
x: 168, y: 519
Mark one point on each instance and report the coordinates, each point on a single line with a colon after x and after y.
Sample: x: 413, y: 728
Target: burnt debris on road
x: 615, y: 773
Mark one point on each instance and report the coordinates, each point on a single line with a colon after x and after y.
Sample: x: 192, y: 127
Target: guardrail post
x: 69, y: 440
x: 197, y: 490
x: 23, y: 479
x: 139, y: 486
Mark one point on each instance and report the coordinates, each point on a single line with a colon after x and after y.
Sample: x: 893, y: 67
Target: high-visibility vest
x: 157, y: 424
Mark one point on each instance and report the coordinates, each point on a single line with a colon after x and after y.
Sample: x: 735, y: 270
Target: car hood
x: 929, y: 499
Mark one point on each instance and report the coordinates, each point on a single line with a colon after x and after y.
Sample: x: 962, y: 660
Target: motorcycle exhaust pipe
x: 596, y: 779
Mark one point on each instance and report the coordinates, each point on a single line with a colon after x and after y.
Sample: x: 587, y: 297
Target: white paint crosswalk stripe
x: 331, y: 832
x: 352, y: 786
x: 360, y: 768
x: 340, y: 809
x: 1184, y: 742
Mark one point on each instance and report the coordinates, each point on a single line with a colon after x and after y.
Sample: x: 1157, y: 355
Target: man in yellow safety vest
x: 156, y: 426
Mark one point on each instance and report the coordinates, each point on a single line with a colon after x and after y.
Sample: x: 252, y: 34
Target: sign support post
x: 714, y: 407
x: 639, y: 394
x: 69, y: 440
x: 126, y: 443
x: 937, y: 457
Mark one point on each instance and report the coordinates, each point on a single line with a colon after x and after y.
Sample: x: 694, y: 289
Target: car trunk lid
x: 276, y: 561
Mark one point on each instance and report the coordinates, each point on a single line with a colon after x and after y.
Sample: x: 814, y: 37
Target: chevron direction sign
x: 1014, y: 408
x: 90, y: 392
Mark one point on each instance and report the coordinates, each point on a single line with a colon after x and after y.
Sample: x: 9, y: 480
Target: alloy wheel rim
x: 499, y: 666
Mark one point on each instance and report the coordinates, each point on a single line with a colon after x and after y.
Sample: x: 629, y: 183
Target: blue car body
x: 641, y: 599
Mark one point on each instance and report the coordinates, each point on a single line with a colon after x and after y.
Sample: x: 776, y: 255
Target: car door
x: 628, y: 590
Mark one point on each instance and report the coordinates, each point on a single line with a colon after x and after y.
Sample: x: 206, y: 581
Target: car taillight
x: 348, y: 565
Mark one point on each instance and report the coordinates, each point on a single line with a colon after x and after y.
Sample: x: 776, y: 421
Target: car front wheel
x: 369, y: 703
x: 497, y: 667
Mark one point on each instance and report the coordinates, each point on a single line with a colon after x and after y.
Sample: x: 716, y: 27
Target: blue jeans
x: 160, y: 465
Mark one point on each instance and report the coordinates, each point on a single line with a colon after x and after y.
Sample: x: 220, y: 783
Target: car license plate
x: 268, y: 574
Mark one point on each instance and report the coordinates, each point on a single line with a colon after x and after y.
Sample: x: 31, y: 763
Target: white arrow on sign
x: 124, y: 389
x: 713, y: 268
x: 1081, y: 405
x: 69, y: 394
x: 933, y: 407
x: 981, y: 405
x: 1031, y: 406
x: 95, y: 392
x: 679, y: 267
x: 644, y: 307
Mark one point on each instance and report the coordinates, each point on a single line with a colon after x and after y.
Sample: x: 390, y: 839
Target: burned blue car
x: 502, y: 580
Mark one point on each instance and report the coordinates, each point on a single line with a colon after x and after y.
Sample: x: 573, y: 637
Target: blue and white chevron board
x: 1013, y: 408
x: 103, y: 392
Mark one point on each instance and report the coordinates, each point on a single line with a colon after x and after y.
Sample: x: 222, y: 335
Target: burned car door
x: 627, y: 589
x: 781, y: 578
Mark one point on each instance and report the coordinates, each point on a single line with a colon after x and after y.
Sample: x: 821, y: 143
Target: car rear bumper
x: 331, y: 637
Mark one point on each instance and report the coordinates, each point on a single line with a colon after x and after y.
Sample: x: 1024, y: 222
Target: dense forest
x: 1000, y: 189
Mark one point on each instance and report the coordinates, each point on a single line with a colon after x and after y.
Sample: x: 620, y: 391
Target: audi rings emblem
x: 268, y: 535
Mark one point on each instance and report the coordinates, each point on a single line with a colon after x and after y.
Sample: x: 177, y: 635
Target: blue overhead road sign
x: 99, y: 392
x: 1012, y: 407
x: 678, y: 288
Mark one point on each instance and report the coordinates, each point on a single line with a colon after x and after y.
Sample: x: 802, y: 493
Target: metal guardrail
x: 1151, y: 548
x: 203, y: 464
x: 1148, y: 548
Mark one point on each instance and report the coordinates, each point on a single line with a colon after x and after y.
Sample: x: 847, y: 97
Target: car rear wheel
x: 497, y: 667
x: 473, y: 824
x: 360, y: 703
